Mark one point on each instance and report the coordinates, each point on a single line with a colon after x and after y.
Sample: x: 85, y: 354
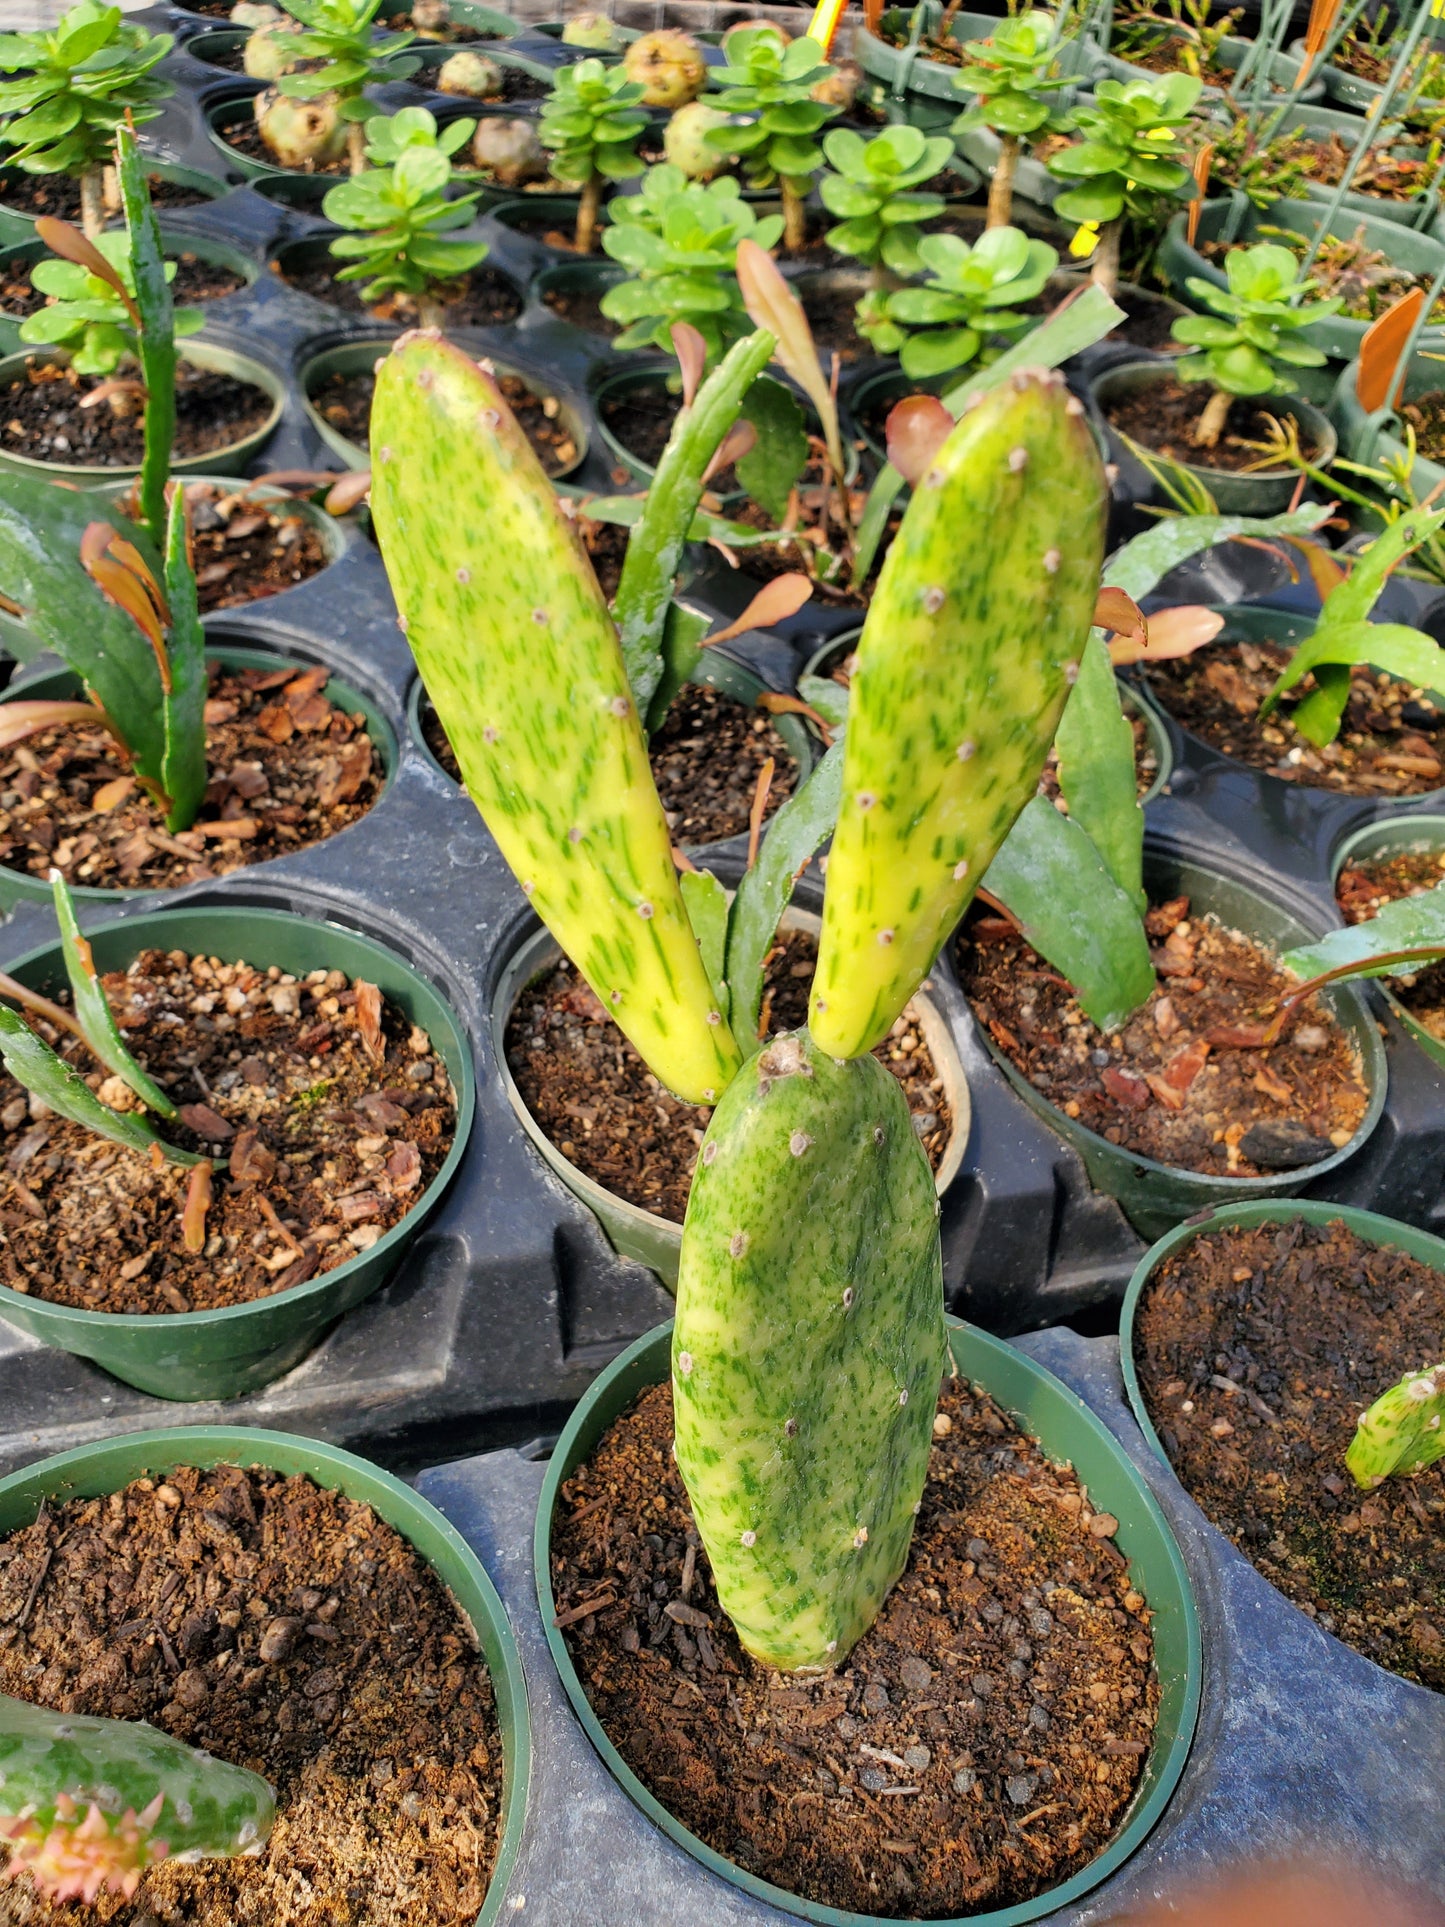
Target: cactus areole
x: 522, y: 661
x: 972, y: 641
x: 808, y: 1348
x: 88, y: 1804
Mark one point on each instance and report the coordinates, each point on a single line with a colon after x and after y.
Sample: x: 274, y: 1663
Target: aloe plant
x: 400, y: 213
x: 87, y: 1805
x: 1011, y: 75
x: 771, y: 85
x: 344, y: 55
x: 1251, y: 339
x: 78, y: 84
x: 870, y: 186
x: 970, y: 301
x: 592, y: 121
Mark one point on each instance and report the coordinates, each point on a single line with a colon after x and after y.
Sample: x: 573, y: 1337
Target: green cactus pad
x: 521, y: 659
x: 87, y: 1803
x: 1403, y: 1431
x: 808, y: 1348
x: 980, y: 617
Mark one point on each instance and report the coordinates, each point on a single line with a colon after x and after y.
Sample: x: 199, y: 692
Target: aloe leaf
x: 793, y: 837
x: 655, y: 548
x: 1049, y: 876
x: 1079, y: 326
x: 92, y: 1012
x: 1143, y: 563
x: 1095, y: 744
x: 1391, y: 646
x: 1409, y: 923
x: 183, y: 771
x: 31, y: 1062
x: 41, y: 527
x: 157, y: 331
x: 829, y: 698
x: 707, y: 912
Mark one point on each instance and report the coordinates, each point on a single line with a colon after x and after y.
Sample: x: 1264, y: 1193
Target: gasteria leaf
x: 1409, y: 923
x: 31, y: 1062
x: 1095, y: 745
x: 93, y: 1012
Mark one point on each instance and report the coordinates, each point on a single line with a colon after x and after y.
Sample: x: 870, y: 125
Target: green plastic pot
x: 1069, y: 1432
x: 1235, y: 494
x: 927, y: 85
x: 1235, y: 218
x: 239, y: 110
x: 231, y: 460
x: 17, y: 225
x: 1371, y: 437
x: 567, y: 277
x: 176, y: 241
x: 215, y: 47
x: 95, y: 1471
x: 18, y: 886
x: 1155, y: 1197
x: 1393, y: 836
x: 634, y: 1233
x: 1284, y: 70
x: 240, y: 1348
x: 352, y: 357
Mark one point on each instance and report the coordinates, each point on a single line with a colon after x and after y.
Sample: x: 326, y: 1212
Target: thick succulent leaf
x: 1095, y: 746
x: 32, y: 1063
x: 92, y: 1012
x: 682, y: 632
x: 184, y: 771
x: 707, y: 912
x: 1142, y: 563
x: 157, y: 331
x: 771, y: 468
x: 1050, y: 877
x: 1409, y: 923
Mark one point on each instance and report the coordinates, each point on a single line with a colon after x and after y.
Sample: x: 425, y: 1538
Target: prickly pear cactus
x: 1402, y: 1431
x: 808, y: 1348
x: 87, y: 1804
x: 519, y: 655
x: 974, y: 633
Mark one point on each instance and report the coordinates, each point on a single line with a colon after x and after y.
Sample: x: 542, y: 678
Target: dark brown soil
x: 345, y: 402
x: 1146, y: 763
x: 1364, y: 887
x: 330, y: 1144
x: 245, y: 550
x: 706, y: 759
x: 486, y: 299
x: 1389, y: 743
x: 583, y: 308
x: 1176, y: 1084
x: 1149, y: 324
x: 1161, y: 417
x: 601, y: 1106
x: 640, y: 418
x: 45, y: 417
x: 545, y: 224
x: 1257, y: 1350
x: 982, y: 1740
x: 59, y: 196
x: 195, y: 281
x: 1427, y: 414
x: 830, y: 314
x: 287, y: 770
x: 287, y: 1629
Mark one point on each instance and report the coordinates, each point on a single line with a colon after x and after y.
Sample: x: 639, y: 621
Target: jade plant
x: 970, y: 301
x: 1252, y: 337
x: 592, y: 122
x: 678, y: 239
x: 1127, y: 162
x: 399, y: 214
x: 1011, y: 75
x: 77, y: 85
x: 87, y: 1805
x: 810, y: 1294
x: 93, y: 316
x: 315, y: 113
x: 870, y: 185
x: 772, y: 87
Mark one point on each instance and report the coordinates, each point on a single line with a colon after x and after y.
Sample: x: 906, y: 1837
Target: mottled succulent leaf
x: 773, y: 466
x: 1409, y: 923
x: 707, y: 911
x: 92, y: 1011
x: 1142, y: 563
x: 1095, y: 742
x: 184, y: 772
x: 1402, y: 1432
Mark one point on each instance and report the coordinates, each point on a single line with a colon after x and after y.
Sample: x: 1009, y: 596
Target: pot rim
x: 994, y: 1355
x: 468, y: 1585
x: 1160, y: 368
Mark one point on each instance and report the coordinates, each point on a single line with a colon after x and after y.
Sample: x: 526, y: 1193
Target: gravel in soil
x: 583, y: 308
x: 287, y: 769
x: 1161, y: 415
x: 290, y: 1630
x: 1390, y: 739
x: 485, y: 299
x: 46, y: 419
x: 244, y: 549
x: 605, y: 1111
x: 334, y: 1111
x: 1180, y: 1082
x: 981, y: 1742
x: 706, y: 759
x: 59, y: 196
x: 345, y: 402
x: 1257, y: 1349
x: 196, y: 280
x: 1364, y: 887
x: 1146, y: 763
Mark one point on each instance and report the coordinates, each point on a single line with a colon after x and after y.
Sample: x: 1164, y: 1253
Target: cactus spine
x: 88, y: 1804
x: 808, y: 1348
x: 981, y: 613
x: 1402, y: 1431
x: 521, y: 658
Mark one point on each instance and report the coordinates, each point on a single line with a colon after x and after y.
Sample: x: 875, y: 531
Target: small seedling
x: 592, y: 122
x: 971, y: 301
x: 1401, y: 1433
x: 1012, y: 76
x: 870, y: 187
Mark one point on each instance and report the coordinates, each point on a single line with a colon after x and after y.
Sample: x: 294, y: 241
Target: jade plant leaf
x: 92, y: 1012
x: 31, y: 1062
x: 1052, y: 880
x: 1409, y: 923
x: 1095, y: 744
